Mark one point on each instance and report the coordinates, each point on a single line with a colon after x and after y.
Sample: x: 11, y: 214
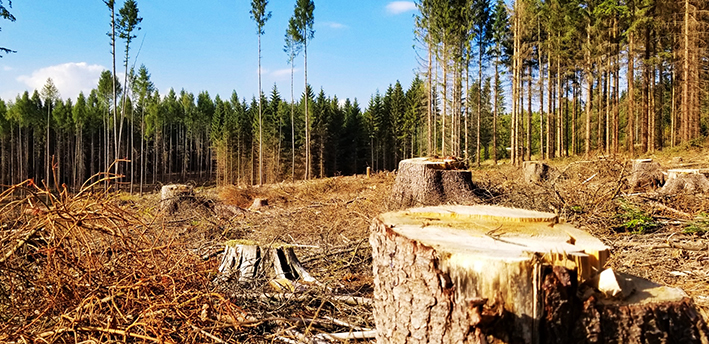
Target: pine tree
x: 260, y: 16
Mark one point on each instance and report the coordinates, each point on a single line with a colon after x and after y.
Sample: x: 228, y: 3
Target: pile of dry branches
x: 91, y: 267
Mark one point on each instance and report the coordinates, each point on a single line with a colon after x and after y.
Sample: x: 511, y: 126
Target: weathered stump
x: 431, y: 181
x: 645, y: 174
x: 481, y: 274
x: 172, y: 195
x: 535, y: 171
x: 686, y: 181
x: 246, y: 261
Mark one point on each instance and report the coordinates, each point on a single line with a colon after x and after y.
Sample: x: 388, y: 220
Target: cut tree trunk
x: 431, y: 181
x: 172, y: 195
x: 482, y: 274
x: 246, y: 261
x: 535, y: 171
x: 690, y: 181
x: 646, y: 174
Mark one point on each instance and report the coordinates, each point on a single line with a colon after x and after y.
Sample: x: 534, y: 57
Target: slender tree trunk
x: 260, y: 122
x: 480, y: 92
x: 467, y: 113
x: 494, y: 111
x: 528, y: 151
x: 646, y: 88
x: 307, y: 114
x: 429, y: 103
x: 445, y: 100
x: 542, y: 151
x: 631, y: 95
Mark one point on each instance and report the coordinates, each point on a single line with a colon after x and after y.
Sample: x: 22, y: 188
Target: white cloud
x: 70, y: 78
x: 398, y: 7
x: 334, y: 25
x: 282, y: 74
x: 6, y: 68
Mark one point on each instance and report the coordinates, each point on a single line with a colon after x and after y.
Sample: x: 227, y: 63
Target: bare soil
x: 106, y: 266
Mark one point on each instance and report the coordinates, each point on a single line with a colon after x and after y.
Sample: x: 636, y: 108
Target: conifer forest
x: 514, y: 81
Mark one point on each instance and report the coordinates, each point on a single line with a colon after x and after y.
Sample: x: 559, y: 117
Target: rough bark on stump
x: 246, y: 261
x: 686, y: 181
x: 645, y: 174
x: 457, y: 274
x: 431, y: 181
x: 535, y: 171
x: 172, y: 195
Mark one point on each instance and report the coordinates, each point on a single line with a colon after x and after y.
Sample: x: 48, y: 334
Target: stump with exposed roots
x: 535, y: 171
x: 171, y: 196
x: 646, y: 174
x: 690, y: 181
x: 482, y: 274
x: 431, y: 181
x: 246, y: 261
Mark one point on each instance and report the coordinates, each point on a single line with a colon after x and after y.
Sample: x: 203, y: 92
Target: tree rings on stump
x: 431, y: 181
x: 476, y: 274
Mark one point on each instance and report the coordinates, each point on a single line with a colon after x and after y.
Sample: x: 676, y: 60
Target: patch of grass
x: 699, y: 225
x: 635, y: 219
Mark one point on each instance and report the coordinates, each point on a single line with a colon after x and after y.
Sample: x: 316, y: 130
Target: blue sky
x: 359, y: 47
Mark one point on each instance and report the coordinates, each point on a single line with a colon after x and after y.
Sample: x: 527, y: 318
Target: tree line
x: 181, y: 136
x: 585, y: 76
x: 581, y: 77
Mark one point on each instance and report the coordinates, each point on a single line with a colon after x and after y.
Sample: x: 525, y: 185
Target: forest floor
x: 111, y: 266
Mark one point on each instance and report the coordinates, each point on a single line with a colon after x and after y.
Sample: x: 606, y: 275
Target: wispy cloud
x: 334, y: 25
x: 281, y: 74
x: 70, y: 78
x: 6, y: 68
x: 398, y: 7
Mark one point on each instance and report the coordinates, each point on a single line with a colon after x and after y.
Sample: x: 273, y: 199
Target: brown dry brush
x: 78, y: 267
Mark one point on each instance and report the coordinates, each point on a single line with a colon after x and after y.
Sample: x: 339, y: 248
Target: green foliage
x: 635, y: 219
x: 699, y: 225
x: 259, y: 14
x: 5, y: 14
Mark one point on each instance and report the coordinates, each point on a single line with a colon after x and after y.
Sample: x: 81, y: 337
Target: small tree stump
x: 535, y: 171
x: 172, y: 195
x: 482, y: 274
x: 431, y: 181
x: 247, y: 261
x: 646, y: 173
x: 686, y: 181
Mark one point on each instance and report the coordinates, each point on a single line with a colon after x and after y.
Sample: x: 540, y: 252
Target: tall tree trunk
x: 528, y: 124
x: 542, y: 151
x: 307, y: 114
x: 631, y: 94
x: 445, y: 100
x: 494, y: 111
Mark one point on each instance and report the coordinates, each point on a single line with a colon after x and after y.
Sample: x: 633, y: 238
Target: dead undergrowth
x: 102, y: 266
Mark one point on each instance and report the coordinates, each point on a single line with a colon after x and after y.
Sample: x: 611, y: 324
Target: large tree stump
x: 431, y: 181
x: 482, y: 274
x: 690, y: 181
x: 171, y: 196
x: 246, y: 261
x: 645, y: 174
x: 535, y: 171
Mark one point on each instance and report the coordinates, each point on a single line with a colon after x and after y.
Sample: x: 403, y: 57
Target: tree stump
x: 172, y: 195
x: 645, y: 174
x: 246, y: 261
x: 686, y: 181
x: 535, y: 171
x: 431, y: 181
x: 483, y: 274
